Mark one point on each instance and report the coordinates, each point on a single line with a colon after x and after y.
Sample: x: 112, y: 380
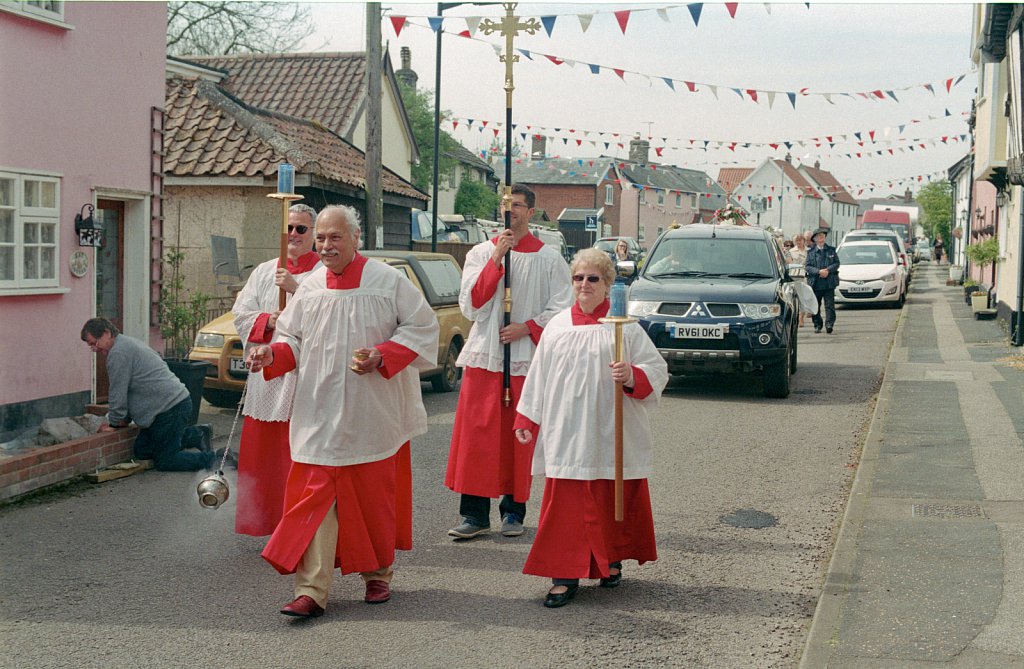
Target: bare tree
x: 211, y: 28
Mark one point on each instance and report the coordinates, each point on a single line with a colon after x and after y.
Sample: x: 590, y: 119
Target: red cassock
x: 577, y: 536
x: 476, y: 465
x: 374, y: 513
x: 262, y: 471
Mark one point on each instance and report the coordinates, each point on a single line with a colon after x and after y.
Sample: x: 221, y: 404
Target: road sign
x: 590, y: 223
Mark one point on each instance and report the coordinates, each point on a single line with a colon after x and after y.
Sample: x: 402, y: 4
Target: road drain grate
x: 749, y: 519
x: 947, y: 511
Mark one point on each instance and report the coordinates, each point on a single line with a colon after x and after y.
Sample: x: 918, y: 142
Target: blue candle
x: 618, y: 308
x: 285, y: 178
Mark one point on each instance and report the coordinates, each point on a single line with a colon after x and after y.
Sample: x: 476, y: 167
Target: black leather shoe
x: 612, y: 581
x: 555, y: 600
x: 828, y: 330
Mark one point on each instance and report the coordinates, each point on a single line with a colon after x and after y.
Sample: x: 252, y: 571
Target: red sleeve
x: 284, y: 361
x: 535, y: 331
x: 259, y: 334
x: 524, y: 423
x: 486, y: 284
x: 641, y: 386
x: 394, y: 358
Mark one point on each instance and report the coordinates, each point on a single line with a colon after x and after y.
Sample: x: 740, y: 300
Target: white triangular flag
x: 585, y: 20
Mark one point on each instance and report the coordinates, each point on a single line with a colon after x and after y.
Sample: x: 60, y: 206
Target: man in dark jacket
x: 823, y: 277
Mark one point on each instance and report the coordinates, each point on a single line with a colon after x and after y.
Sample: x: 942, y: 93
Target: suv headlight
x: 761, y: 310
x: 641, y: 308
x: 209, y: 340
x: 891, y: 276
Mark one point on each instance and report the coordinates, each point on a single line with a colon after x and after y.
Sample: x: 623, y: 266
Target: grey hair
x: 351, y: 216
x: 305, y: 209
x: 597, y: 259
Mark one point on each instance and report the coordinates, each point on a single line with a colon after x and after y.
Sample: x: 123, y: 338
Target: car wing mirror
x: 625, y: 268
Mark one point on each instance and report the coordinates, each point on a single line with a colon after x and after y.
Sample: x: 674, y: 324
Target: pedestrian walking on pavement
x: 264, y: 457
x: 567, y: 403
x: 143, y: 390
x: 823, y: 277
x: 484, y: 461
x: 937, y: 249
x: 356, y: 333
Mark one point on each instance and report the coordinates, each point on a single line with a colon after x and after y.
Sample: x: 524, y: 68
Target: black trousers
x: 478, y: 509
x: 828, y: 296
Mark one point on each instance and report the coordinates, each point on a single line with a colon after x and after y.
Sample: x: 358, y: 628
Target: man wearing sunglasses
x: 484, y: 461
x: 264, y: 457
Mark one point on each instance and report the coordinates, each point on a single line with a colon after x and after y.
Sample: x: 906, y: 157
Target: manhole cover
x: 750, y: 519
x: 947, y: 511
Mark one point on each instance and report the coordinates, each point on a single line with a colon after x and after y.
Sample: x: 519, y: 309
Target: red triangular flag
x: 658, y: 150
x: 620, y: 73
x: 731, y: 6
x: 690, y: 85
x: 554, y: 59
x: 398, y: 22
x: 752, y: 93
x: 623, y: 18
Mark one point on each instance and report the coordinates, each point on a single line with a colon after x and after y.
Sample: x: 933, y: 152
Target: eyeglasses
x: 590, y: 278
x: 788, y: 245
x: 301, y: 229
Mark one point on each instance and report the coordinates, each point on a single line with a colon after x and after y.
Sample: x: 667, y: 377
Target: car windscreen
x: 606, y: 245
x: 711, y: 256
x: 865, y: 254
x: 900, y: 229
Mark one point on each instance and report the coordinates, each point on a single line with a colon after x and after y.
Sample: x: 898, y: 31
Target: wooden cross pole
x: 286, y: 200
x: 618, y: 354
x: 509, y: 27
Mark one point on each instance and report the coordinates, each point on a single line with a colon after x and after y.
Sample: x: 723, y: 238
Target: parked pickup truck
x: 436, y: 274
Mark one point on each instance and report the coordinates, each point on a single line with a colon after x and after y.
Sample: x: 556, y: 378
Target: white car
x: 870, y: 272
x: 898, y: 246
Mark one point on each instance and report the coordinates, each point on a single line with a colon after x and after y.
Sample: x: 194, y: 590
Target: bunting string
x: 745, y: 92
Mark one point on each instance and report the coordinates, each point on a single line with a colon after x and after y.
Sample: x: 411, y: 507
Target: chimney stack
x: 907, y: 195
x: 817, y: 164
x: 638, y: 150
x: 406, y: 74
x: 538, y: 147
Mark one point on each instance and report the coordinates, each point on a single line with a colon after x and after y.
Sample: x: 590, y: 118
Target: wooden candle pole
x: 619, y: 354
x: 286, y: 202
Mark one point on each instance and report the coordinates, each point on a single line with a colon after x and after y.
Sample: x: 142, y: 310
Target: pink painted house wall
x: 77, y: 103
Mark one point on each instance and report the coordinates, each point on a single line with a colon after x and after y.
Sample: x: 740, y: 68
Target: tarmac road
x: 134, y: 573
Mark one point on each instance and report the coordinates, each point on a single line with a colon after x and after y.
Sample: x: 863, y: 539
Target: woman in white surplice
x: 567, y: 404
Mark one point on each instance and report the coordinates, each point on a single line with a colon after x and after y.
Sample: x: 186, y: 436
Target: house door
x: 109, y: 279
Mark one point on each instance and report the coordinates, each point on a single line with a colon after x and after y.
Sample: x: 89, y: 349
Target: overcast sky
x: 825, y: 48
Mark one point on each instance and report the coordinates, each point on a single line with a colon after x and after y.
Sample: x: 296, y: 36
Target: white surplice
x: 577, y: 421
x: 340, y: 418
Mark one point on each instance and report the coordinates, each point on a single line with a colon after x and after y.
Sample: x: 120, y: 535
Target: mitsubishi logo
x: 696, y: 310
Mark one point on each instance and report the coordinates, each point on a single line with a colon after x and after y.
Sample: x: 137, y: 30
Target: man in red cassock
x: 356, y: 332
x: 484, y: 461
x: 264, y: 458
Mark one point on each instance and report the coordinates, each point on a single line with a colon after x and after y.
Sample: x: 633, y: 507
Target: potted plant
x: 180, y: 318
x: 983, y: 254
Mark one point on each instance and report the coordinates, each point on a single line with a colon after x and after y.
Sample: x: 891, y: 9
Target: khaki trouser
x: 316, y: 568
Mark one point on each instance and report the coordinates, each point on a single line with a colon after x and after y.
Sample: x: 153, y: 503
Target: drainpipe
x: 1018, y: 330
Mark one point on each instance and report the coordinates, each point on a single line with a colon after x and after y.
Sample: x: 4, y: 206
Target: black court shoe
x: 555, y: 600
x: 613, y: 580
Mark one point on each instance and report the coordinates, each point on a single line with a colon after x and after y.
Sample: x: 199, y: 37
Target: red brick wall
x: 553, y: 198
x: 40, y: 467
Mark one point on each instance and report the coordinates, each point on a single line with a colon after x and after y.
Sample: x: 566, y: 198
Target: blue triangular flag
x: 594, y: 69
x: 525, y: 53
x: 549, y: 23
x: 792, y: 99
x: 695, y: 11
x: 669, y: 82
x: 892, y: 95
x: 435, y: 22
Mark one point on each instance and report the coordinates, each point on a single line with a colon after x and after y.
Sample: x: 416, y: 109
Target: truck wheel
x: 446, y: 381
x: 776, y: 378
x: 225, y: 399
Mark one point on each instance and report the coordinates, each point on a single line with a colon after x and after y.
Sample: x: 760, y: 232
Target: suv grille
x: 721, y: 310
x: 674, y: 308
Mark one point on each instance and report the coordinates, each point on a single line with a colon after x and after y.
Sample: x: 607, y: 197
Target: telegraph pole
x: 374, y: 193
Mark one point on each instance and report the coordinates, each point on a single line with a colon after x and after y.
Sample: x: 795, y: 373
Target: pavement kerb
x: 828, y: 613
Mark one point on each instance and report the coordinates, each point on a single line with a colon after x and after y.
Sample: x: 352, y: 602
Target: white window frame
x: 679, y: 200
x: 661, y: 197
x: 693, y: 200
x: 609, y: 195
x: 32, y: 10
x: 32, y: 215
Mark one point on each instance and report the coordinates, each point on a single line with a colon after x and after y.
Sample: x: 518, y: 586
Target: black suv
x: 719, y: 298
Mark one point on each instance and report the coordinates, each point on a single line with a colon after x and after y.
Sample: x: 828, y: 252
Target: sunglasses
x: 589, y: 277
x: 301, y: 229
